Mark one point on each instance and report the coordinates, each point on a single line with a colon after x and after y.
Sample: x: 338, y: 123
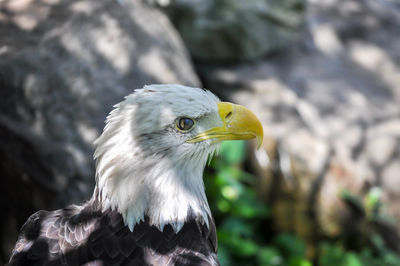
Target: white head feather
x: 144, y: 165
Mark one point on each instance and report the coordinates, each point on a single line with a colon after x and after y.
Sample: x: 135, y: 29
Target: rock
x: 236, y: 29
x: 380, y: 149
x: 63, y: 65
x: 330, y: 106
x: 391, y: 185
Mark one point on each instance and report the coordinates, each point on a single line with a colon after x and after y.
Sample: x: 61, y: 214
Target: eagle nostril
x: 228, y: 115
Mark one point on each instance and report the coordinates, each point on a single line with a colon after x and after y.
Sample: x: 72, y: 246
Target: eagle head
x: 151, y: 155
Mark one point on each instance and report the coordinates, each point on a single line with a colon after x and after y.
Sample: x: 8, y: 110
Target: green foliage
x: 333, y: 254
x: 244, y: 236
x: 241, y: 218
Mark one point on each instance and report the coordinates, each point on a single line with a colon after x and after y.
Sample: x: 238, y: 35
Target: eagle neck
x: 163, y: 191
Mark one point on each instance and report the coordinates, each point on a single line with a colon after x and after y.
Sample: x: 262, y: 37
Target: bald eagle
x: 149, y: 205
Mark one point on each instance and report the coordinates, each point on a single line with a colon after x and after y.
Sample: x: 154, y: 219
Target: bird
x: 149, y: 205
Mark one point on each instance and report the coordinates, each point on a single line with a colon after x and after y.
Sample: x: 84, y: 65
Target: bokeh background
x: 322, y: 75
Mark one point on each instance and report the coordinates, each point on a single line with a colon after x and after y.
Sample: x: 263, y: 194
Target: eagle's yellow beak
x: 238, y: 123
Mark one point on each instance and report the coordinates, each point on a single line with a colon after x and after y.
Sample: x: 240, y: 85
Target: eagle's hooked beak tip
x: 240, y: 122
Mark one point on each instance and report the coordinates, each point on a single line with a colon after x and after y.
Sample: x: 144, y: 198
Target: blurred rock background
x: 323, y: 76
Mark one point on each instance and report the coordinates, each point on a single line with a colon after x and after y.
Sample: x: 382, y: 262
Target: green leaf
x: 300, y: 262
x: 224, y: 257
x: 290, y: 245
x: 235, y: 226
x: 233, y: 152
x: 223, y: 206
x: 378, y: 242
x: 269, y: 256
x: 352, y: 260
x: 248, y: 208
x: 373, y: 197
x: 247, y: 248
x: 354, y: 203
x: 230, y: 192
x: 238, y: 245
x: 228, y: 175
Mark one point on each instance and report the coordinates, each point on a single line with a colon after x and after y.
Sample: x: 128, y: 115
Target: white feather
x: 145, y: 167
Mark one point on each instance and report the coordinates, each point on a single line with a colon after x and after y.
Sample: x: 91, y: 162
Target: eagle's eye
x: 184, y: 124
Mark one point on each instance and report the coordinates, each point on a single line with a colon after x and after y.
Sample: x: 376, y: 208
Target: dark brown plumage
x: 87, y: 236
